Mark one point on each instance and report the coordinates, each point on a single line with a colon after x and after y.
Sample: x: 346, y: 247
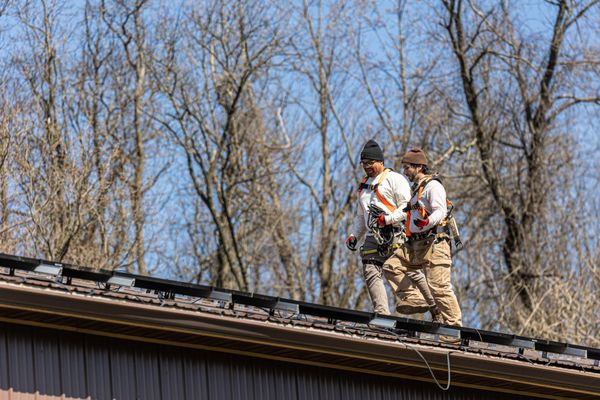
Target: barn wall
x: 43, y: 363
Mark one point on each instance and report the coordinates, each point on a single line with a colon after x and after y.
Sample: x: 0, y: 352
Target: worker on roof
x: 382, y: 196
x: 427, y: 245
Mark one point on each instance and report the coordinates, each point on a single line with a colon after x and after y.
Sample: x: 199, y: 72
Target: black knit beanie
x: 371, y: 151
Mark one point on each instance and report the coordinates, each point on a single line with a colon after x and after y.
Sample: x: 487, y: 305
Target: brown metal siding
x: 55, y: 363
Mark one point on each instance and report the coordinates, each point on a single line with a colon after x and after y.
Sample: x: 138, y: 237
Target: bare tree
x: 67, y: 167
x: 125, y: 21
x: 44, y: 162
x: 216, y: 120
x: 10, y: 220
x: 515, y: 106
x: 318, y: 53
x: 265, y: 106
x: 98, y: 108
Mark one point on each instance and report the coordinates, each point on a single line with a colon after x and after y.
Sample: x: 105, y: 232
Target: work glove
x: 351, y: 242
x: 421, y: 223
x: 381, y: 220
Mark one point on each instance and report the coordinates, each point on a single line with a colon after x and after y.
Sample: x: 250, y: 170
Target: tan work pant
x: 435, y: 259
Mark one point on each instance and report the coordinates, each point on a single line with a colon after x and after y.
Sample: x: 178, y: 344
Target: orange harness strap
x: 379, y: 196
x: 375, y: 187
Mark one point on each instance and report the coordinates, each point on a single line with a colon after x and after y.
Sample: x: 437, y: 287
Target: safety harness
x: 383, y: 236
x: 375, y: 188
x: 419, y: 207
x: 446, y: 228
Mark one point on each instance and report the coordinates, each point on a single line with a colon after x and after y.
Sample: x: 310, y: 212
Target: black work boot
x: 436, y: 316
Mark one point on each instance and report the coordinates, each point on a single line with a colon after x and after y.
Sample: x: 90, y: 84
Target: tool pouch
x: 456, y: 243
x: 419, y: 251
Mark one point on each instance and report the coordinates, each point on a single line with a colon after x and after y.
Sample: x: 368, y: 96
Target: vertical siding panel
x: 360, y: 387
x: 147, y: 378
x: 122, y: 371
x: 265, y: 385
x: 305, y: 385
x: 393, y: 391
x: 322, y: 384
x: 194, y: 373
x: 331, y: 384
x: 274, y: 382
x: 46, y: 364
x: 286, y: 383
x: 20, y: 361
x: 72, y: 366
x: 4, y: 385
x: 98, y: 368
x: 171, y: 374
x: 394, y: 388
x: 219, y: 380
x: 242, y: 384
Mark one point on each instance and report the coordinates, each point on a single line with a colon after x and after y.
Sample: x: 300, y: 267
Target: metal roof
x: 199, y: 317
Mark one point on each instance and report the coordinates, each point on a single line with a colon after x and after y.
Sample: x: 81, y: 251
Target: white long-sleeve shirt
x: 433, y: 198
x: 395, y: 189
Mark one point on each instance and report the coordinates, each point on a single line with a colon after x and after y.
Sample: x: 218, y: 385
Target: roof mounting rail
x: 560, y: 348
x: 334, y: 313
x: 497, y: 338
x: 428, y: 327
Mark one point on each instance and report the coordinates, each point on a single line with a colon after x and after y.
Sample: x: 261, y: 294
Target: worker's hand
x: 351, y: 242
x: 381, y: 220
x: 421, y: 223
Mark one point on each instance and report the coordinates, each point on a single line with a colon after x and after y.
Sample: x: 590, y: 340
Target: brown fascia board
x: 91, y: 313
